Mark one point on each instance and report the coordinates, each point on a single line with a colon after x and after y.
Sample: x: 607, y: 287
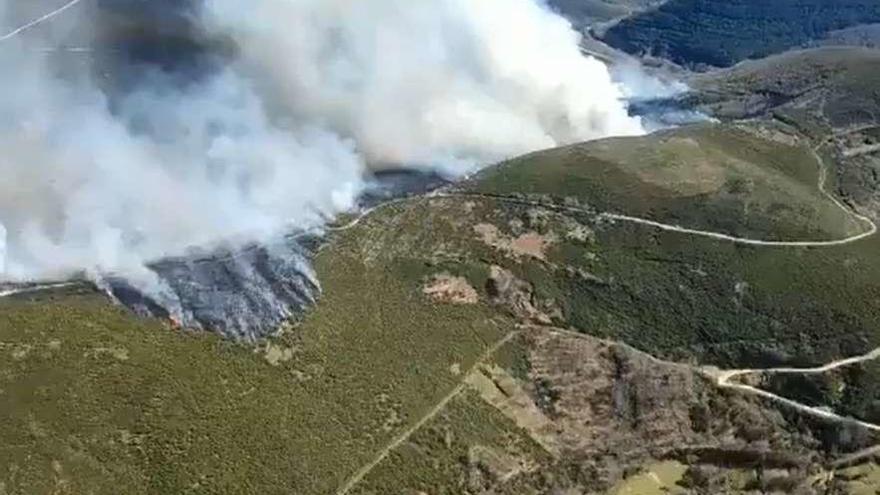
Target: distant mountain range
x: 714, y: 33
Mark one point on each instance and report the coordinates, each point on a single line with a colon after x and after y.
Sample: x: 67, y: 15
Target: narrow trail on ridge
x: 725, y: 379
x: 359, y: 475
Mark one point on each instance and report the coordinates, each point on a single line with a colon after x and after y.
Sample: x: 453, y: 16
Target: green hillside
x: 502, y: 338
x: 730, y: 179
x: 698, y: 33
x: 828, y: 93
x: 587, y: 12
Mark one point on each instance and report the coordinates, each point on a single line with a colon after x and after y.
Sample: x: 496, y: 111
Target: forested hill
x: 583, y: 13
x: 724, y: 32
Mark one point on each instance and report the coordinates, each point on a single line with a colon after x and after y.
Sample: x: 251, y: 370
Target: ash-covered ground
x: 243, y: 295
x: 251, y: 293
x: 213, y: 169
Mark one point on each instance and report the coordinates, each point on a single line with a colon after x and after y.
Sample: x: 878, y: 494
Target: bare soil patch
x: 450, y: 289
x: 530, y: 244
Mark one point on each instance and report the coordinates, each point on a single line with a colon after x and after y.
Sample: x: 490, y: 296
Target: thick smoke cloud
x: 307, y: 96
x: 445, y: 81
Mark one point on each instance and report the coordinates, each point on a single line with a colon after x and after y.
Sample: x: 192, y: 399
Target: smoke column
x: 300, y: 99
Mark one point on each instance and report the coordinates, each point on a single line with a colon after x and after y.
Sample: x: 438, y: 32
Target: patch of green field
x: 687, y: 297
x: 731, y: 305
x: 719, y: 178
x: 467, y: 445
x: 691, y: 298
x: 97, y: 401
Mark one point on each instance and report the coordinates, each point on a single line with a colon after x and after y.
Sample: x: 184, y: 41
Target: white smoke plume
x: 281, y: 135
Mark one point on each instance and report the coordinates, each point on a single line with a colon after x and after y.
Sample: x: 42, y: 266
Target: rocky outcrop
x: 516, y: 295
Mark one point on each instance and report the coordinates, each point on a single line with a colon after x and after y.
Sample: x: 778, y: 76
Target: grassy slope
x: 675, y: 295
x: 685, y: 296
x: 432, y: 459
x: 838, y: 83
x: 704, y: 177
x: 127, y: 405
x: 171, y: 412
x: 829, y: 93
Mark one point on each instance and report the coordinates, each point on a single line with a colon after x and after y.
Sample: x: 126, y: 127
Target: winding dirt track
x: 871, y: 227
x: 723, y: 379
x: 810, y: 410
x: 741, y: 240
